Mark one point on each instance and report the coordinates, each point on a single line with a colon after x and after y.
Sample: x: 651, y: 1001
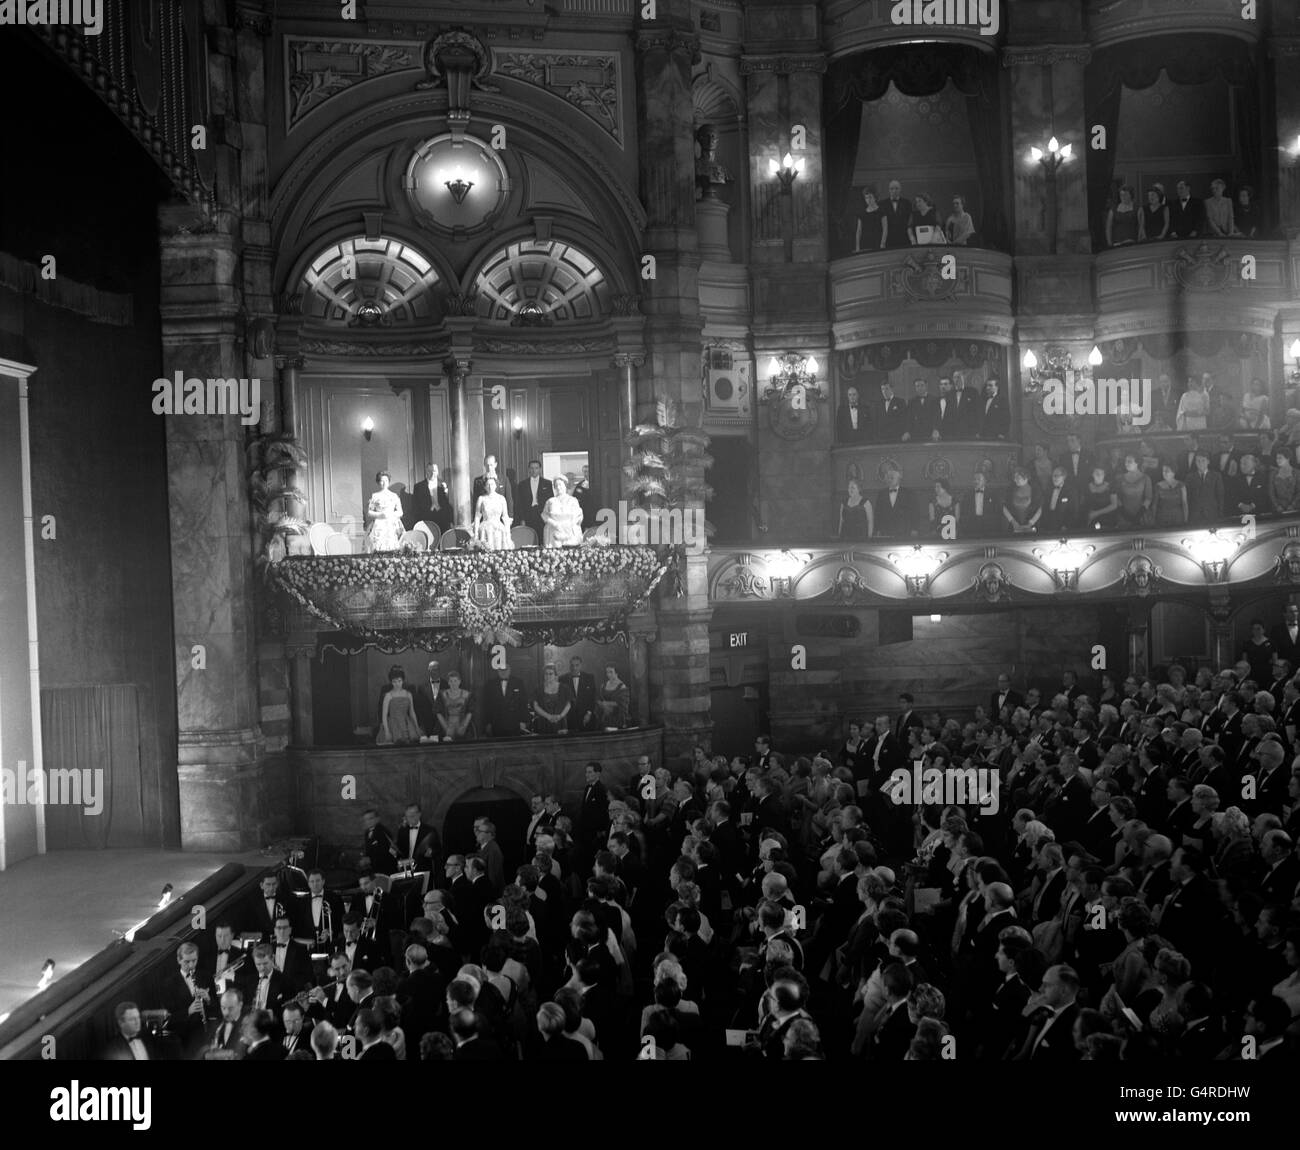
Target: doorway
x: 507, y: 812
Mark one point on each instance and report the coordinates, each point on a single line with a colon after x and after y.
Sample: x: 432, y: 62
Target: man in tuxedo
x: 891, y: 416
x: 494, y: 861
x: 1051, y: 1037
x: 530, y: 497
x: 257, y: 1029
x: 290, y: 958
x: 264, y: 908
x: 907, y: 717
x: 428, y: 694
x: 898, y: 212
x: 321, y: 912
x: 505, y: 706
x: 922, y: 415
x: 995, y: 417
x: 1186, y: 213
x: 582, y: 685
x: 187, y: 995
x: 417, y: 840
x: 223, y: 1033
x: 1248, y: 491
x: 1067, y: 810
x: 586, y: 497
x: 1059, y: 509
x: 297, y: 1034
x: 480, y: 486
x: 1286, y: 636
x: 129, y: 1044
x: 538, y: 821
x: 948, y: 418
x: 1004, y: 696
x: 894, y: 1029
x: 421, y: 996
x: 1098, y: 831
x: 593, y: 815
x: 361, y: 990
x: 266, y: 988
x: 851, y: 422
x: 1282, y: 867
x: 1076, y: 461
x: 430, y: 502
x: 361, y: 953
x: 1005, y: 1014
x: 1185, y: 462
x: 222, y: 960
x: 882, y: 752
x: 892, y: 514
x: 1189, y: 914
x: 370, y: 1037
x: 377, y: 843
x: 1204, y: 491
x: 331, y: 1003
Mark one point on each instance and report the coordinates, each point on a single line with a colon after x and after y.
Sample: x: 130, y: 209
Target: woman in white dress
x: 384, y: 517
x: 562, y: 516
x: 491, y: 519
x: 1193, y: 408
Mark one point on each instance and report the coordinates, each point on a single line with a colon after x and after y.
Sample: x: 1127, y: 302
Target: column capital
x: 783, y: 63
x: 290, y: 362
x: 627, y: 359
x: 1046, y: 54
x: 457, y: 366
x: 669, y: 40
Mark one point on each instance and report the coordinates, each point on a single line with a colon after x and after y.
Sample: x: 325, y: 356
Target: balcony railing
x: 933, y: 575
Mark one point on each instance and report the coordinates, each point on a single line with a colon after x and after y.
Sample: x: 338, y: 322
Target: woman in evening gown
x: 1134, y: 490
x: 942, y: 505
x: 562, y: 516
x: 855, y: 515
x: 552, y: 703
x: 1022, y: 509
x: 1282, y: 484
x: 1122, y: 220
x: 491, y: 519
x: 925, y: 227
x: 1100, y: 501
x: 873, y: 225
x: 1170, y: 499
x: 455, y: 709
x: 612, y: 700
x: 1193, y: 408
x: 1155, y: 216
x: 1254, y: 407
x: 384, y: 516
x: 397, y: 725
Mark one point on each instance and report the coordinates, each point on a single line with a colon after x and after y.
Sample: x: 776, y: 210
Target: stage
x: 65, y: 905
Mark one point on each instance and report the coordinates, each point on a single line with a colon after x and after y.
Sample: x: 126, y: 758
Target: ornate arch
x: 532, y: 282
x: 383, y: 282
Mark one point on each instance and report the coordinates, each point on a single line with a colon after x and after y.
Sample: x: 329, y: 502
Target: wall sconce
x: 1057, y: 364
x: 1212, y: 551
x: 367, y: 428
x: 936, y: 618
x: 518, y: 426
x: 1065, y: 559
x: 1050, y: 161
x: 787, y: 171
x: 917, y: 566
x: 782, y: 569
x: 791, y: 370
x: 458, y: 186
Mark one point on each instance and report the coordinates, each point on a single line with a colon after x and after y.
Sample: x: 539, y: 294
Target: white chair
x: 414, y: 541
x: 319, y: 534
x: 338, y: 544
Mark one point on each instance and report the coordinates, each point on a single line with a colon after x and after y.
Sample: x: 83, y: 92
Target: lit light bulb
x: 368, y: 425
x: 774, y: 366
x: 788, y: 162
x: 1067, y: 150
x: 773, y: 167
x: 1053, y: 146
x: 1295, y: 349
x: 1030, y: 360
x: 798, y: 166
x: 1035, y: 154
x: 1094, y: 356
x: 518, y: 424
x: 810, y: 366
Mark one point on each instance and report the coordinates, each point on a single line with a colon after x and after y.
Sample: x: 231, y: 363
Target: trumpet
x: 371, y: 923
x: 326, y: 932
x: 201, y: 997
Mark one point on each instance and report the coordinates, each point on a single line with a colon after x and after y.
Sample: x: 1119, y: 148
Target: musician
x: 188, y: 998
x: 297, y: 1031
x: 291, y: 959
x: 331, y: 1003
x: 322, y: 911
x: 378, y: 844
x: 376, y: 914
x: 361, y: 953
x: 257, y: 1028
x: 129, y: 1044
x: 225, y: 957
x: 266, y: 988
x: 417, y: 840
x: 265, y: 907
x: 223, y: 1033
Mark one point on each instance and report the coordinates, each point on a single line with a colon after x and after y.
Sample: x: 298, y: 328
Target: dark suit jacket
x: 381, y: 1051
x: 1068, y: 810
x: 1050, y: 903
x: 1014, y: 699
x: 584, y: 700
x: 905, y: 722
x: 922, y: 417
x: 367, y: 955
x: 176, y: 998
x: 1077, y: 475
x: 280, y: 991
x: 377, y: 845
x: 969, y: 407
x: 1186, y: 220
x: 256, y: 917
x: 424, y: 845
x: 1251, y: 493
x: 478, y: 1050
x: 976, y: 526
x: 503, y: 714
x: 426, y: 706
x: 1058, y: 1043
x: 995, y: 417
x: 1285, y: 648
x: 593, y: 815
x: 297, y: 967
x: 1279, y: 884
x: 268, y: 1051
x: 1204, y: 496
x: 899, y: 214
x: 233, y: 1042
x: 845, y: 432
x: 1061, y: 519
x: 117, y: 1049
x: 337, y: 1008
x: 950, y: 419
x: 893, y: 522
x: 891, y: 1040
x: 525, y: 513
x: 305, y: 926
x: 890, y: 418
x: 422, y: 506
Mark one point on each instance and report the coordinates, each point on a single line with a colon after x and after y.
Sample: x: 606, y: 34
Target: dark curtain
x: 916, y: 70
x: 1188, y: 59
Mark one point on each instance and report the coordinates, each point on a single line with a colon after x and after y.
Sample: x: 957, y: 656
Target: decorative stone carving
x: 848, y: 587
x: 1202, y: 269
x: 885, y: 466
x: 790, y: 419
x: 669, y: 40
x: 319, y: 70
x: 550, y: 347
x: 1141, y: 576
x: 742, y: 583
x: 1287, y: 567
x: 341, y: 347
x: 783, y: 65
x: 588, y: 81
x: 461, y: 304
x: 460, y: 60
x: 937, y: 467
x: 1046, y: 55
x: 625, y: 303
x: 992, y: 584
x: 709, y: 174
x: 922, y: 279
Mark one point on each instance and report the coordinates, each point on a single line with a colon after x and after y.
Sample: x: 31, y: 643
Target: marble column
x: 457, y: 371
x: 300, y: 691
x: 1137, y: 628
x: 627, y: 363
x: 224, y: 790
x: 639, y: 658
x: 1221, y: 638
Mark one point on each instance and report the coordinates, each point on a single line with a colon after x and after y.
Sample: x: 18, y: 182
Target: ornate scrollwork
x: 922, y: 280
x: 848, y: 588
x: 1202, y: 269
x: 625, y: 303
x: 461, y: 303
x: 742, y: 583
x: 1286, y: 569
x: 992, y: 584
x: 1141, y: 576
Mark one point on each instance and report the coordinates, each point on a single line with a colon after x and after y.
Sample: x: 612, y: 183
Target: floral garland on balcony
x: 449, y: 579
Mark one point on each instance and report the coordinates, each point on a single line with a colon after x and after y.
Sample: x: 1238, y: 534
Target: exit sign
x: 740, y: 638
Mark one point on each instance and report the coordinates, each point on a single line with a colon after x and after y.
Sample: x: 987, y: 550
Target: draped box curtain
x: 915, y: 70
x: 1187, y: 60
x: 94, y: 728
